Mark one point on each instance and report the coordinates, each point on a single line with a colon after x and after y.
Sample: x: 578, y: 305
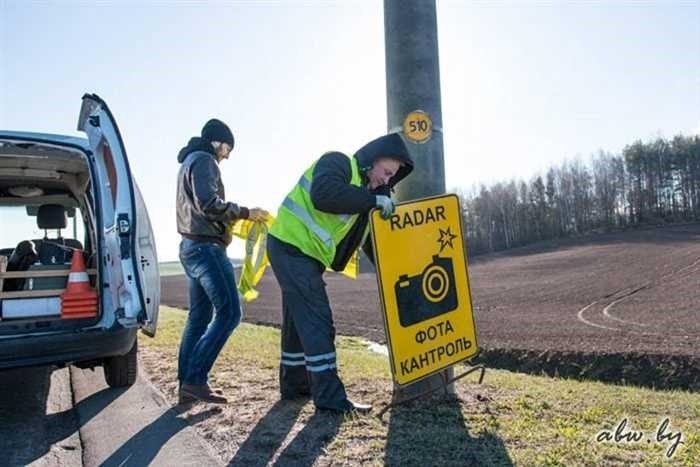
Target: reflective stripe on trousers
x: 313, y: 363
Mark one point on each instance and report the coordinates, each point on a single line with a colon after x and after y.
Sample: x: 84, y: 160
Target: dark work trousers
x: 308, y: 360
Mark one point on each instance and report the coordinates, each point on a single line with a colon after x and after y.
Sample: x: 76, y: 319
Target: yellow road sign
x: 417, y: 126
x: 424, y: 287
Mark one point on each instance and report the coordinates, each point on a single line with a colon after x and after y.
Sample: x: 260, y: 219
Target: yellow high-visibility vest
x: 255, y: 261
x: 316, y: 233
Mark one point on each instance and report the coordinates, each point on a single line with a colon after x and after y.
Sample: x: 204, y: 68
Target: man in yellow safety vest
x: 321, y: 224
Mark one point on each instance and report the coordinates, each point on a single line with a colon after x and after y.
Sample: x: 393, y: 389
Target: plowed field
x: 620, y: 307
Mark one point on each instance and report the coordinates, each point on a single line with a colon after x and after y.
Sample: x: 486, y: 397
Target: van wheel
x: 120, y: 371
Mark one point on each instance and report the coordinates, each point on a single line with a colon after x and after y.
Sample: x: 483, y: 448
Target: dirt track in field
x: 620, y: 307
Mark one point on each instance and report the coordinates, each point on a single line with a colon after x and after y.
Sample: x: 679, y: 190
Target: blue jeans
x: 213, y: 294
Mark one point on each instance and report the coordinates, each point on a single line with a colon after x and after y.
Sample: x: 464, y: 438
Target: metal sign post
x: 414, y: 109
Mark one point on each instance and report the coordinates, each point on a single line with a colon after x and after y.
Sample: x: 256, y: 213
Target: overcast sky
x: 524, y: 84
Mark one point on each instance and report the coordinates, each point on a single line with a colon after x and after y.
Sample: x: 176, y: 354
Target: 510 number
x: 418, y: 125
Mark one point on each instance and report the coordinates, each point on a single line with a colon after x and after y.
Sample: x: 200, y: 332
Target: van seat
x: 47, y: 283
x: 51, y: 250
x: 21, y: 259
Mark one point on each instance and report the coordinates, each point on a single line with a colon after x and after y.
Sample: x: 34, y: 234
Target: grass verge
x: 509, y: 419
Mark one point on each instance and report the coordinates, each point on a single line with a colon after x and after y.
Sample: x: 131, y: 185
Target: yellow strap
x: 353, y: 267
x: 255, y: 261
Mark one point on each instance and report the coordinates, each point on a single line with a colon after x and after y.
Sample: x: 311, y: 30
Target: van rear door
x: 128, y: 251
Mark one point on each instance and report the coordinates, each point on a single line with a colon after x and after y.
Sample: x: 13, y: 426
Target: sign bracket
x: 445, y: 382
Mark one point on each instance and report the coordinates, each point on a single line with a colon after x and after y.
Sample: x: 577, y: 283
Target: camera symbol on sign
x: 428, y: 294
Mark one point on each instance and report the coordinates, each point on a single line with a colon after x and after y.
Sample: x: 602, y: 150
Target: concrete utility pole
x: 413, y: 83
x: 413, y: 106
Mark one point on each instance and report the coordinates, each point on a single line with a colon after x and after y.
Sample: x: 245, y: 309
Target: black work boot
x: 349, y: 407
x: 359, y: 408
x: 295, y: 394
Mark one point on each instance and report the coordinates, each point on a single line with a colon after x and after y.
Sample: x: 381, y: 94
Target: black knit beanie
x: 216, y: 130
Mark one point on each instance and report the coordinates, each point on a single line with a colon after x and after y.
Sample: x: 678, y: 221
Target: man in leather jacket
x: 203, y: 218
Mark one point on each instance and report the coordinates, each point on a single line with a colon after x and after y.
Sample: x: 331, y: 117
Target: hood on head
x: 390, y: 145
x: 195, y: 144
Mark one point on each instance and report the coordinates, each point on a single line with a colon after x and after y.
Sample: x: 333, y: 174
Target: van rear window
x: 18, y: 225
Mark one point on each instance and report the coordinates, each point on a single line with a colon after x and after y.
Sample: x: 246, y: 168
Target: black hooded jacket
x: 332, y: 192
x: 202, y: 210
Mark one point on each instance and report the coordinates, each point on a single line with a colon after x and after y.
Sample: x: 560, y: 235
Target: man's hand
x: 257, y: 214
x: 386, y: 205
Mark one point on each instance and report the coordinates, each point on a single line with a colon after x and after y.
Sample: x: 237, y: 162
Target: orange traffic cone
x: 79, y: 300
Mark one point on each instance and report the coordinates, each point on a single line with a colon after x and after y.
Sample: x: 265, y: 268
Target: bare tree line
x: 649, y: 183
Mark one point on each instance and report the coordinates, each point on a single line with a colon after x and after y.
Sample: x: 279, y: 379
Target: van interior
x: 46, y: 216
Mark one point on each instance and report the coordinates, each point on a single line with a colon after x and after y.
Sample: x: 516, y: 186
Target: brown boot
x: 215, y: 390
x: 201, y: 392
x: 211, y: 389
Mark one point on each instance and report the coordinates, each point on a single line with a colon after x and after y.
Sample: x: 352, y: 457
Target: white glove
x: 386, y: 205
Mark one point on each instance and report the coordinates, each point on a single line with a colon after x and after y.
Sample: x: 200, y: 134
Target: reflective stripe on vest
x: 302, y: 214
x: 305, y: 184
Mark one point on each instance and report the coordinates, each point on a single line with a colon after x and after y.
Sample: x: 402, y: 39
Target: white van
x: 60, y: 196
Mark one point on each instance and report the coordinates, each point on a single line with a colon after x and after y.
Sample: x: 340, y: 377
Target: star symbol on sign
x: 446, y: 238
